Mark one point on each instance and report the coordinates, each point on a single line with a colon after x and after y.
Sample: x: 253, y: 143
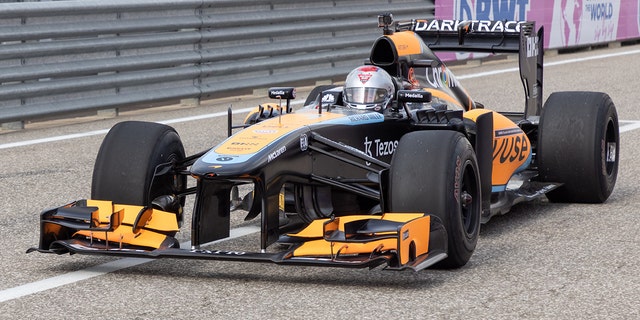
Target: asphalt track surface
x: 541, y: 260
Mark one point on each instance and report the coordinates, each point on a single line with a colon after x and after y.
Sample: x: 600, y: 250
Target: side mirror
x: 414, y: 96
x: 282, y: 93
x: 286, y: 93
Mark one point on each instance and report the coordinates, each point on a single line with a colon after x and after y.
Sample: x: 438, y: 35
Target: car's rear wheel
x: 436, y: 172
x: 126, y: 164
x: 579, y: 146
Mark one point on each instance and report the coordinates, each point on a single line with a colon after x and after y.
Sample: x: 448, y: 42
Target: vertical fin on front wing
x: 211, y: 217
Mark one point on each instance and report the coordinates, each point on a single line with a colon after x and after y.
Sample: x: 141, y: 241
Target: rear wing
x: 491, y: 37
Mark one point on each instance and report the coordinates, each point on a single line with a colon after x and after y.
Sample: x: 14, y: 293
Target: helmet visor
x: 360, y: 95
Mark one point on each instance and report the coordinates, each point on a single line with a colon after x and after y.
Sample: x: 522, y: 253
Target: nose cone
x: 250, y: 149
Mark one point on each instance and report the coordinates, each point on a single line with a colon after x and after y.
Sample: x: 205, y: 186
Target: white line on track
x: 550, y: 64
x: 75, y: 276
x: 626, y: 125
x: 104, y: 131
x: 95, y: 271
x: 52, y: 139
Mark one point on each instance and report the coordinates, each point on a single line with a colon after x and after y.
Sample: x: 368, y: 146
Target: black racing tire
x: 127, y: 159
x: 579, y: 146
x: 436, y: 172
x: 313, y: 95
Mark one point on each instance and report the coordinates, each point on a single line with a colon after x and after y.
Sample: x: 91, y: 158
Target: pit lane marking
x: 99, y: 270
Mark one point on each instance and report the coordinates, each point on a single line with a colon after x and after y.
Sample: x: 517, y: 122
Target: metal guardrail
x: 64, y: 57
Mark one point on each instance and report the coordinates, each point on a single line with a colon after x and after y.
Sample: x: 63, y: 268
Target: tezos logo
x: 378, y: 148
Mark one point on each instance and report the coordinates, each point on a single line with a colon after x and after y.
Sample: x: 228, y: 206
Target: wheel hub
x: 466, y: 200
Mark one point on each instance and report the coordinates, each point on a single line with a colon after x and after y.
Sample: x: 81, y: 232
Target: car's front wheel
x: 125, y: 168
x: 436, y: 172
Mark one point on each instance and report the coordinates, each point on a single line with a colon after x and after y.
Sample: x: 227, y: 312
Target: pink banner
x: 567, y: 23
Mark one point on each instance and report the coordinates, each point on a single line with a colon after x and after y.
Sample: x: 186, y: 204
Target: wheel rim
x: 469, y: 200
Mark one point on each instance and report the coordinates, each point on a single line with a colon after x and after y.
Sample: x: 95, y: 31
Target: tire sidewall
x: 607, y: 180
x: 462, y: 242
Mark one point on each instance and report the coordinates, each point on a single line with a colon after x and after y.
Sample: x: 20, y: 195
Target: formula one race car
x: 398, y: 167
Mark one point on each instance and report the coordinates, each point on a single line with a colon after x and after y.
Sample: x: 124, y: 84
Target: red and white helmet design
x: 368, y: 87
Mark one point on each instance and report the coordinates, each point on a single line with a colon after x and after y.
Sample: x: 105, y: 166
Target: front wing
x: 397, y: 240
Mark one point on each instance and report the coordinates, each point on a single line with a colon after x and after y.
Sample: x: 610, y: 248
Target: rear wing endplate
x: 491, y: 37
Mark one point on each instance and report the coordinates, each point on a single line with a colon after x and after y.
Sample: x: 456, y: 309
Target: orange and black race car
x: 398, y: 167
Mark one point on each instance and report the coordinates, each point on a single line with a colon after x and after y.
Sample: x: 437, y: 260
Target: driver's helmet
x: 368, y: 87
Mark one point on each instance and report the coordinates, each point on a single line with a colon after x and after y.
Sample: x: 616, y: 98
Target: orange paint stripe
x: 253, y: 139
